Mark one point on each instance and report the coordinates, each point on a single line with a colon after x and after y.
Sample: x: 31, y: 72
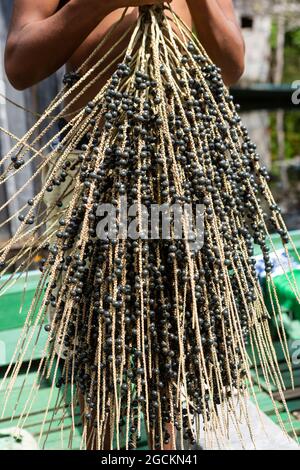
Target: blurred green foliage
x: 273, y: 36
x: 291, y: 53
x: 292, y: 134
x: 292, y: 56
x: 291, y: 73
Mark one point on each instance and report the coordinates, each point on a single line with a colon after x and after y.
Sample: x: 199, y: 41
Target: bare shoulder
x: 27, y: 11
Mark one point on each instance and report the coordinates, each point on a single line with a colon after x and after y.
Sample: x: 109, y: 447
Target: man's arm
x: 219, y: 32
x: 42, y: 39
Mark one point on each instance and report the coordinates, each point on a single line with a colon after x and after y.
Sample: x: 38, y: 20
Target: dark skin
x: 46, y: 34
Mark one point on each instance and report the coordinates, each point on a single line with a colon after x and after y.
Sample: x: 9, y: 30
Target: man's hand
x: 111, y: 5
x: 134, y: 3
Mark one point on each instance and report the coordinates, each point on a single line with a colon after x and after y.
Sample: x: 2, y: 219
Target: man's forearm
x: 221, y: 37
x: 44, y: 46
